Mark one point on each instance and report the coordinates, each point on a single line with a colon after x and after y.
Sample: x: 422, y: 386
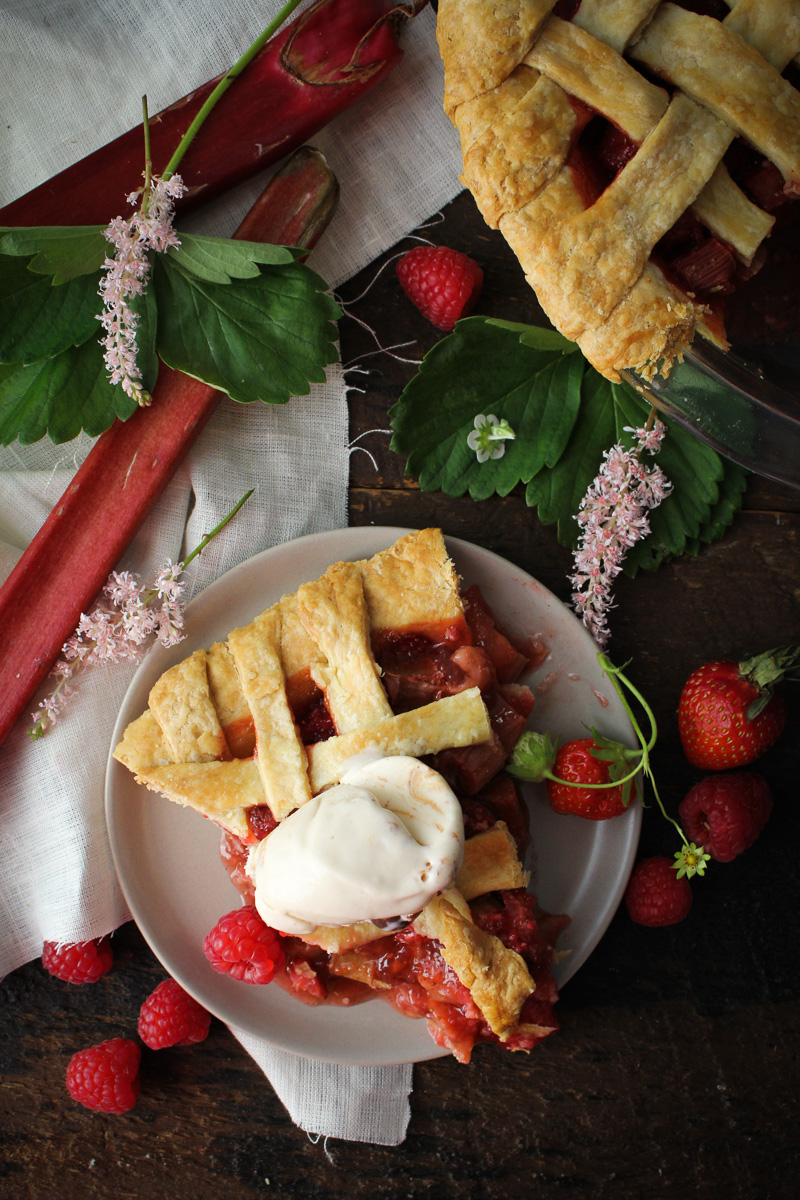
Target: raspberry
x: 171, y: 1017
x: 726, y: 813
x: 106, y: 1077
x: 242, y: 946
x: 444, y: 284
x: 78, y: 962
x: 655, y: 895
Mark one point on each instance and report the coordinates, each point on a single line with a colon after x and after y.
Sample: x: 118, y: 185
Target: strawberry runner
x: 308, y: 439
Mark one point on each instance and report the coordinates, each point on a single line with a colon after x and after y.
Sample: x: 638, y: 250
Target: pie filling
x: 373, y: 750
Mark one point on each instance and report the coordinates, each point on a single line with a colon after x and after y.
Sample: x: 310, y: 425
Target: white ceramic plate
x: 167, y: 857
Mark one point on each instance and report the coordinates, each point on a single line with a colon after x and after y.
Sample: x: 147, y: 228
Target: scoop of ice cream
x: 381, y: 843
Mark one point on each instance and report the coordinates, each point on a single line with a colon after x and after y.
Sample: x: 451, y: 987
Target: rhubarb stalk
x: 331, y: 55
x: 83, y: 538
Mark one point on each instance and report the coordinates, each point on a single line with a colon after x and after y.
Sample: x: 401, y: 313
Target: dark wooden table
x: 675, y: 1071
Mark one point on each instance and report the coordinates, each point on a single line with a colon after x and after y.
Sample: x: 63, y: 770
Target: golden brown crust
x: 460, y: 720
x: 496, y: 977
x: 143, y: 744
x: 333, y: 611
x: 512, y: 161
x: 181, y: 703
x: 716, y: 66
x: 481, y: 43
x: 589, y: 261
x: 490, y: 863
x: 413, y: 582
x: 280, y: 756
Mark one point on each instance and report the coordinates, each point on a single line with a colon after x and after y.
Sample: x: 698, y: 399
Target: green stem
x: 198, y: 550
x: 617, y: 679
x: 224, y: 84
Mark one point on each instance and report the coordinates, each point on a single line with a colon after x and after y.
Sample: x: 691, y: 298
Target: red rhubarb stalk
x: 128, y: 467
x: 318, y: 65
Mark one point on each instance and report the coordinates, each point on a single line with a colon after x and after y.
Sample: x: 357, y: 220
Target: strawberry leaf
x: 61, y: 251
x: 266, y: 338
x: 219, y: 260
x: 565, y: 415
x: 38, y: 320
x: 536, y: 390
x: 59, y: 397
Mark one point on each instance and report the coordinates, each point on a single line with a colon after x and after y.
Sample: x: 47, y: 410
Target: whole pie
x: 632, y: 153
x: 378, y: 671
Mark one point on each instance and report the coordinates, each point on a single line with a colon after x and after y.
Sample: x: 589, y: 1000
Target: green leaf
x: 59, y: 397
x: 267, y: 338
x: 483, y: 367
x: 38, y: 320
x: 565, y: 415
x: 558, y: 493
x: 64, y: 252
x: 219, y: 260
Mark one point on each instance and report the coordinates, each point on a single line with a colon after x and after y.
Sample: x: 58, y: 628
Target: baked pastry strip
x: 143, y: 745
x: 228, y: 699
x: 594, y: 259
x: 411, y: 583
x: 722, y: 205
x: 615, y: 22
x: 732, y: 216
x: 716, y: 67
x: 504, y: 32
x: 771, y: 26
x: 280, y: 756
x: 334, y: 614
x: 497, y: 978
x: 453, y: 721
x: 181, y: 703
x: 599, y: 76
x: 221, y: 791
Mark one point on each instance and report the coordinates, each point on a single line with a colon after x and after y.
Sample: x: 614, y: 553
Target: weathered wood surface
x: 675, y: 1071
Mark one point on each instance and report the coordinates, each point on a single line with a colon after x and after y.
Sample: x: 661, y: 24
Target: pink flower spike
x: 613, y: 518
x: 127, y: 272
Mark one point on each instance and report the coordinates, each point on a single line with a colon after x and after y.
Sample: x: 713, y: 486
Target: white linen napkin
x: 72, y: 78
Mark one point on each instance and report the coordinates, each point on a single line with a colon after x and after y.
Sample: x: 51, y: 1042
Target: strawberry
x: 595, y: 762
x: 577, y: 762
x: 729, y: 713
x: 444, y: 284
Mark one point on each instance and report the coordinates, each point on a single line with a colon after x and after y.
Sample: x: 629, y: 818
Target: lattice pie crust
x: 194, y: 744
x: 512, y: 69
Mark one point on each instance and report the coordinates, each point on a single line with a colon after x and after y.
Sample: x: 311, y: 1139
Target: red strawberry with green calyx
x: 581, y: 775
x: 729, y: 713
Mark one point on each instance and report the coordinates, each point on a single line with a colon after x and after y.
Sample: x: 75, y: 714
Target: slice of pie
x: 632, y: 153
x: 377, y: 662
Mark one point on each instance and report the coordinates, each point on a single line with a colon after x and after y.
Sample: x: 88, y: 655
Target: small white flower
x: 489, y: 436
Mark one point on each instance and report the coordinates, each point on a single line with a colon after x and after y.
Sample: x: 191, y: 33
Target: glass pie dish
x: 746, y: 407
